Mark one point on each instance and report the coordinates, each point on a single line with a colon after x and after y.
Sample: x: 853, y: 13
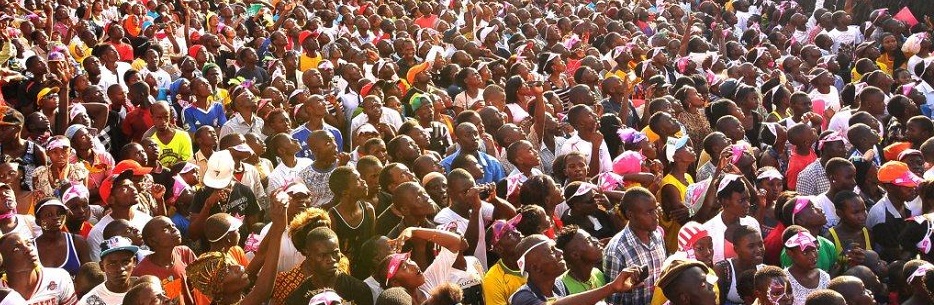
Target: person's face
x: 421, y: 204
x: 125, y: 194
x: 643, y: 214
x: 903, y: 193
x: 9, y: 173
x: 575, y: 168
x: 805, y: 259
x: 19, y: 254
x: 703, y: 250
x: 437, y: 189
x: 78, y: 210
x: 7, y: 199
x: 750, y: 248
x: 59, y: 156
x: 845, y: 178
x: 773, y: 187
x: 458, y: 190
x: 51, y: 218
x: 915, y: 163
x: 152, y: 149
x: 165, y: 233
x: 325, y: 149
x: 737, y: 204
x: 419, y: 139
x: 778, y: 292
x: 161, y: 117
x: 801, y: 106
x: 587, y: 246
x: 118, y: 266
x: 409, y: 275
x: 371, y: 176
x: 324, y: 256
x: 699, y: 290
x: 469, y: 138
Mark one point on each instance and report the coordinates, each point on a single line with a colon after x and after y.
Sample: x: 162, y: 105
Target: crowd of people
x: 466, y: 152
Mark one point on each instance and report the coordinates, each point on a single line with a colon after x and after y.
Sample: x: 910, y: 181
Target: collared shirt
x: 626, y: 250
x: 812, y: 180
x: 500, y: 283
x: 492, y: 170
x: 879, y: 211
x: 885, y: 220
x: 237, y: 124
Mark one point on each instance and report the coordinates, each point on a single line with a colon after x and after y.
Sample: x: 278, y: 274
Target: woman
x: 774, y: 139
x: 469, y: 79
x: 518, y: 96
x: 851, y: 231
x: 542, y: 191
x: 50, y: 214
x: 769, y: 180
x: 780, y: 100
x: 553, y: 66
x: 803, y: 274
x: 891, y: 55
x: 748, y: 100
x: 99, y: 163
x: 749, y: 251
x: 60, y: 170
x: 224, y: 281
x: 674, y: 187
x: 733, y: 195
x: 693, y: 117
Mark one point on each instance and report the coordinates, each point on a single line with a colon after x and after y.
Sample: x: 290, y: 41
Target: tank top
x: 71, y: 263
x: 732, y: 296
x: 839, y: 245
x: 671, y: 226
x: 352, y: 237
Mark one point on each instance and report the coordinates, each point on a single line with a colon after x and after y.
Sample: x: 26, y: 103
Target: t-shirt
x: 196, y: 117
x: 177, y: 150
x: 574, y: 286
x: 174, y: 279
x: 100, y: 295
x: 317, y: 182
x: 575, y: 143
x: 96, y: 236
x: 301, y: 134
x: 283, y: 173
x: 826, y: 255
x: 500, y: 283
x: 240, y: 202
x: 346, y: 286
x: 55, y: 287
x: 447, y: 216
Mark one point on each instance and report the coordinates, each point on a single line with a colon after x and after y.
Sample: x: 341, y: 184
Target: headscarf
x: 208, y: 271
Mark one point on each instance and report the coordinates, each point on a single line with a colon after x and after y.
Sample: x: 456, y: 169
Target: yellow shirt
x: 306, y: 63
x: 177, y: 150
x: 500, y: 283
x: 672, y: 226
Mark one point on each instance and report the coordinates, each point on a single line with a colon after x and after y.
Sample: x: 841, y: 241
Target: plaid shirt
x: 626, y: 250
x: 812, y: 180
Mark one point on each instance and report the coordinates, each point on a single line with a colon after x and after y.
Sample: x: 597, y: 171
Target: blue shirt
x: 196, y: 117
x: 301, y: 134
x: 492, y: 170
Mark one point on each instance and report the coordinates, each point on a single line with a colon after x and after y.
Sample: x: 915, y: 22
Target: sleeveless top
x: 839, y: 245
x: 71, y: 263
x: 352, y: 237
x: 800, y: 292
x: 732, y: 295
x: 671, y: 226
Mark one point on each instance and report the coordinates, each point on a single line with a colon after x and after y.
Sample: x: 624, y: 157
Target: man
x: 542, y: 262
x: 403, y: 149
x: 26, y: 276
x: 688, y: 282
x: 206, y: 140
x: 168, y: 259
x: 174, y: 143
x: 138, y: 121
x: 326, y: 158
x: 316, y: 109
x: 618, y: 102
x: 122, y: 195
x: 468, y: 139
x: 469, y: 213
x: 415, y: 205
x: 901, y: 201
x: 290, y: 165
x: 588, y: 139
x: 244, y: 119
x: 244, y: 172
x: 118, y: 259
x: 322, y: 256
x: 504, y: 277
x: 222, y: 193
x: 640, y: 243
x: 390, y: 177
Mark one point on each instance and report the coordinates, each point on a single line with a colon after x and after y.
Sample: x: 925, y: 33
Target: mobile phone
x: 643, y: 272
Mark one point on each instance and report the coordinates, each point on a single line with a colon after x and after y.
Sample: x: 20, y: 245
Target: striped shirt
x: 626, y: 250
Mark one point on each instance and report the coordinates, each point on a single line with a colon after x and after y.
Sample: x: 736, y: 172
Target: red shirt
x: 796, y: 163
x: 174, y: 279
x: 125, y: 50
x: 136, y: 123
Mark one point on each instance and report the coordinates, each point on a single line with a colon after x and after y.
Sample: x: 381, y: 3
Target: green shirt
x: 573, y: 286
x: 826, y: 255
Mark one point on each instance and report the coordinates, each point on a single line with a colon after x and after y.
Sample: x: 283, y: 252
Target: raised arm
x: 267, y: 276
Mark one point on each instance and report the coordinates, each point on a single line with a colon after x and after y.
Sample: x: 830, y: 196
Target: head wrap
x: 207, y: 273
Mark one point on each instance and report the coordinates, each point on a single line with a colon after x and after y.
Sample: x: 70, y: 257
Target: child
x: 851, y: 232
x: 772, y: 286
x: 864, y: 139
x: 769, y: 180
x: 118, y: 259
x: 169, y: 258
x: 802, y: 138
x: 89, y: 276
x: 803, y: 274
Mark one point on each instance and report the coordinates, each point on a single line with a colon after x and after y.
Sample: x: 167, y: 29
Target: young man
x: 588, y: 139
x: 316, y: 109
x: 245, y: 173
x: 640, y: 243
x: 325, y: 149
x: 168, y: 260
x: 584, y: 253
x: 118, y: 259
x: 688, y: 282
x: 526, y: 160
x: 415, y: 205
x: 901, y: 201
x: 206, y: 140
x: 244, y: 119
x: 322, y: 257
x: 468, y: 140
x: 504, y: 277
x: 468, y: 212
x: 122, y: 196
x: 222, y: 193
x: 174, y: 143
x: 290, y: 165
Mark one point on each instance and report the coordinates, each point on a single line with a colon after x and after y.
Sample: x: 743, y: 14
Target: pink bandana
x: 803, y: 240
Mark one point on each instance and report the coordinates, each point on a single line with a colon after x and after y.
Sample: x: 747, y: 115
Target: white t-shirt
x: 389, y: 116
x: 26, y: 226
x: 716, y: 228
x: 851, y: 36
x: 100, y: 295
x: 96, y: 236
x: 283, y: 173
x: 831, y: 99
x: 575, y: 143
x: 464, y: 101
x: 830, y: 212
x: 442, y: 270
x: 447, y: 216
x: 878, y: 211
x: 55, y: 287
x: 13, y: 298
